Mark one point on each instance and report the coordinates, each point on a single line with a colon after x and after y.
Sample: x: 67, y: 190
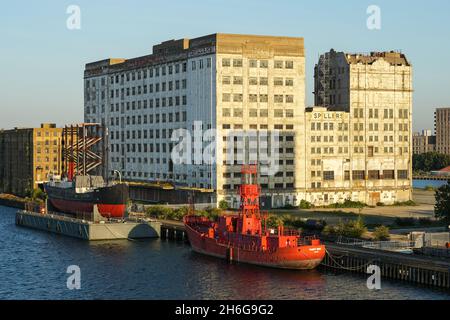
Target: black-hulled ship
x: 81, y: 194
x: 85, y: 150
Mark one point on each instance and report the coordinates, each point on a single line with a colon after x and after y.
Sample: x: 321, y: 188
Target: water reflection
x: 33, y: 265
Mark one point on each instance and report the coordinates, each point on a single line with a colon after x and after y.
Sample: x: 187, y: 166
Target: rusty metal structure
x: 85, y: 150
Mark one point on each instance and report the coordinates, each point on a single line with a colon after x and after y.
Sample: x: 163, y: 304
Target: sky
x: 42, y: 61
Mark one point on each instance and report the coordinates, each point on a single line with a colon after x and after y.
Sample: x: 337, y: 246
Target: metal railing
x: 306, y: 241
x: 83, y: 217
x: 380, y: 245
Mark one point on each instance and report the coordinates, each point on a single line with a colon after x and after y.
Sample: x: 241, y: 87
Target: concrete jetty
x: 89, y: 230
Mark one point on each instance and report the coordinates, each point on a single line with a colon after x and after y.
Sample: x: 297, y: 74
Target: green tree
x: 442, y: 206
x: 430, y: 161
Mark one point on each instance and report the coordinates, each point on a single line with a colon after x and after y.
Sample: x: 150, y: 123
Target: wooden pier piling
x: 410, y: 268
x: 173, y: 231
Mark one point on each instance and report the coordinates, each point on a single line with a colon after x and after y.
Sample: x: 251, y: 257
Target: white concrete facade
x: 257, y: 83
x: 375, y: 90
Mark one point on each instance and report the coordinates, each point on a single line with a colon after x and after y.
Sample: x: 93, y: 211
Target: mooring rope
x: 347, y: 268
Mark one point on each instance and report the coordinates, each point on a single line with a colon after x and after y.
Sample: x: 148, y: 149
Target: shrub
x: 167, y: 213
x: 273, y: 221
x: 348, y: 204
x: 288, y: 220
x: 179, y: 213
x: 159, y: 212
x: 354, y: 228
x: 38, y: 194
x: 305, y: 204
x: 223, y: 204
x: 350, y: 229
x: 408, y: 203
x: 213, y: 213
x: 381, y: 233
x: 329, y: 230
x: 210, y: 213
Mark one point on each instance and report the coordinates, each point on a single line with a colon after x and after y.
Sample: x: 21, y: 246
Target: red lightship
x: 244, y: 238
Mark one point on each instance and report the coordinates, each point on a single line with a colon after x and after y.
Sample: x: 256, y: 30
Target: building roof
x: 394, y: 58
x: 181, y: 49
x: 447, y: 169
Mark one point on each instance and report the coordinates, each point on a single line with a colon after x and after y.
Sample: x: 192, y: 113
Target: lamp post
x: 119, y: 174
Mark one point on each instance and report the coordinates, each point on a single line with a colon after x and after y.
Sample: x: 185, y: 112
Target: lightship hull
x: 301, y: 258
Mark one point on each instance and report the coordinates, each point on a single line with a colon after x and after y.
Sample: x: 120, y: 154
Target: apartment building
x: 375, y: 90
x: 28, y: 156
x: 423, y: 142
x: 442, y: 128
x: 229, y: 83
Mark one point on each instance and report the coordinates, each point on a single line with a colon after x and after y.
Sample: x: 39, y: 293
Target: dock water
x: 413, y: 268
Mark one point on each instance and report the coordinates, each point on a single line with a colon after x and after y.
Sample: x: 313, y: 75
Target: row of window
x: 46, y: 159
x: 264, y: 186
x: 277, y: 98
x: 253, y: 113
x: 140, y: 160
x: 281, y: 138
x: 48, y: 134
x: 328, y: 126
x: 47, y: 168
x: 151, y: 88
x: 149, y: 119
x: 46, y: 150
x: 155, y: 147
x: 141, y: 104
x: 327, y: 139
x: 387, y: 113
x: 142, y: 147
x: 253, y: 81
x: 139, y: 90
x: 255, y: 151
x: 200, y: 64
x: 253, y: 63
x: 358, y: 126
x: 149, y: 72
x: 363, y: 175
x: 385, y: 138
x: 371, y: 150
x: 279, y: 174
x: 141, y: 134
x: 47, y: 142
x: 163, y: 176
x: 262, y: 126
